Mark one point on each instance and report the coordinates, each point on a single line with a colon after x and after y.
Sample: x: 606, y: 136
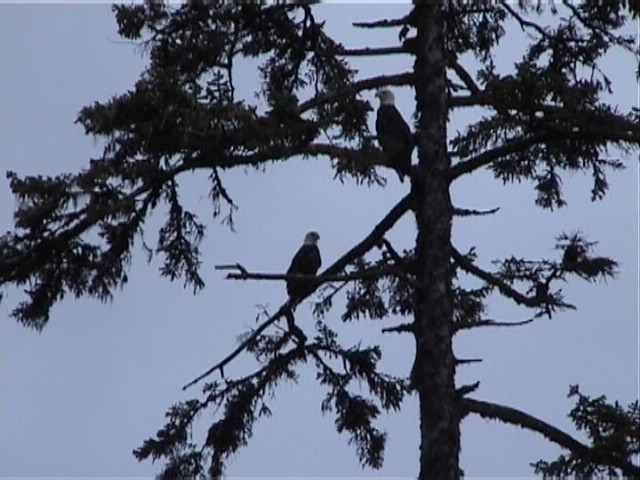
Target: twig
x: 525, y: 23
x: 235, y: 266
x: 392, y: 251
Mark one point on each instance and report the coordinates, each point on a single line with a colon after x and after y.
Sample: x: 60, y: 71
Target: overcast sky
x: 80, y: 396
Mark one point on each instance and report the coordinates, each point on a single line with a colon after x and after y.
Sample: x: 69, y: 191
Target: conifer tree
x: 74, y: 233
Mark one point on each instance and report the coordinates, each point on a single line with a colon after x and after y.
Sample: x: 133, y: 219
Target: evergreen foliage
x: 74, y: 233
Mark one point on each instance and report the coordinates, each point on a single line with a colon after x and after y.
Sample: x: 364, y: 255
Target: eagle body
x: 306, y: 261
x: 394, y: 135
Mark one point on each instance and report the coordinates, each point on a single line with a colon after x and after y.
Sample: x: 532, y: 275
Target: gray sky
x: 80, y: 396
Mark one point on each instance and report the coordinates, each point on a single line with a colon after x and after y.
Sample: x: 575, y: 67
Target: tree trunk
x: 434, y: 368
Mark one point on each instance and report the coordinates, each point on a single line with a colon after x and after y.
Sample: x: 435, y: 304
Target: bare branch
x: 463, y: 212
x: 368, y: 51
x: 367, y: 274
x: 371, y: 240
x: 489, y: 323
x: 392, y: 251
x: 463, y: 361
x: 466, y: 389
x: 466, y: 78
x: 225, y: 361
x: 235, y: 266
x: 521, y: 419
x: 385, y: 23
x: 402, y: 328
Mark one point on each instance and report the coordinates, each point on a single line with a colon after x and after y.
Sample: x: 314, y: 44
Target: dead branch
x: 235, y: 266
x: 366, y: 84
x: 463, y: 212
x: 386, y: 23
x: 490, y: 323
x: 225, y: 361
x: 466, y: 78
x: 368, y: 51
x: 464, y: 361
x: 402, y: 328
x: 364, y: 275
x: 466, y: 389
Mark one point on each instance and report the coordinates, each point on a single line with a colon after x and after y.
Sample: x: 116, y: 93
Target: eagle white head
x: 386, y: 96
x: 311, y: 238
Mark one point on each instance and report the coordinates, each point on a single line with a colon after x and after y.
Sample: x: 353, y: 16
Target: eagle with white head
x: 394, y: 135
x: 306, y: 261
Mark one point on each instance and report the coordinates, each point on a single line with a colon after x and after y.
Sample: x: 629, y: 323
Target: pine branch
x: 625, y: 131
x: 238, y: 350
x: 370, y: 241
x: 399, y: 261
x: 502, y: 286
x: 593, y: 27
x: 488, y: 156
x: 87, y: 218
x: 272, y: 154
x: 524, y: 23
x: 521, y: 419
x: 366, y: 84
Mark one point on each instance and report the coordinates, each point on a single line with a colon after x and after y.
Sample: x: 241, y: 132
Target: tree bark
x: 434, y: 368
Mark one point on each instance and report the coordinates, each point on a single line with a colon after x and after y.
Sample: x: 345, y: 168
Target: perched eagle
x: 306, y: 261
x: 394, y: 135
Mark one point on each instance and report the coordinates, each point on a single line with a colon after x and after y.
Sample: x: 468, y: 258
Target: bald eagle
x: 394, y: 135
x: 306, y: 261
